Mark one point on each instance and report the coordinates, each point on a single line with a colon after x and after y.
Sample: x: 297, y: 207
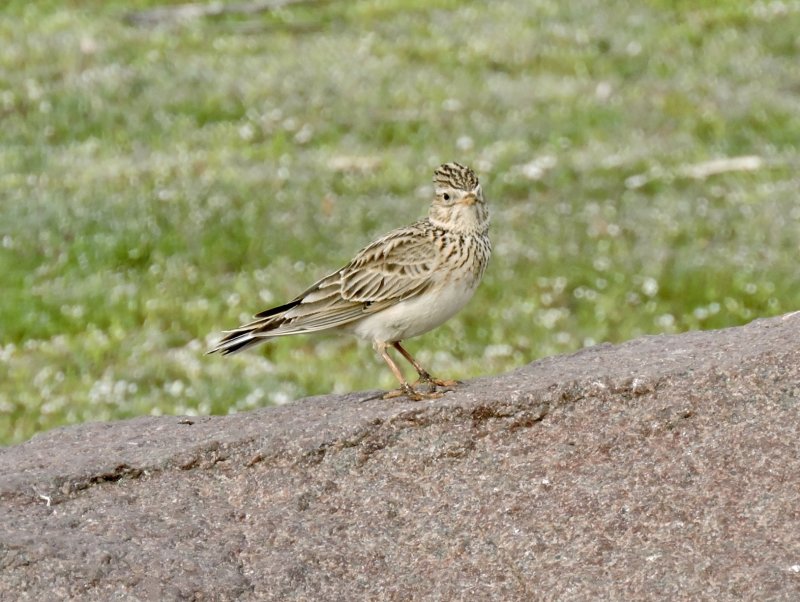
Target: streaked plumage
x: 402, y: 285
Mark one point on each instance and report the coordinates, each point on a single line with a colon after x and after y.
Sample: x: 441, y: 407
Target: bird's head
x: 458, y: 203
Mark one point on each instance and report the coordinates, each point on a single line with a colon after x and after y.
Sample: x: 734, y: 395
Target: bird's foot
x: 427, y: 379
x: 411, y: 393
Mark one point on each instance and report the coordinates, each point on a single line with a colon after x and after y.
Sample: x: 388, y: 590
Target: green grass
x: 160, y: 184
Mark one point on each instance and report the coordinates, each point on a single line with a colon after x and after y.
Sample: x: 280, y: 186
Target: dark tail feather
x: 241, y: 345
x: 245, y: 336
x: 273, y: 311
x: 235, y: 342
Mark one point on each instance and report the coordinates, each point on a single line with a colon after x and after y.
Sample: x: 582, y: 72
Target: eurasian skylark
x: 402, y: 285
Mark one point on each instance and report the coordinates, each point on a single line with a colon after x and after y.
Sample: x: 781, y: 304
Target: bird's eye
x: 446, y: 196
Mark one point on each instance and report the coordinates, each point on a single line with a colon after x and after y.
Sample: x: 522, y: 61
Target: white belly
x: 416, y: 316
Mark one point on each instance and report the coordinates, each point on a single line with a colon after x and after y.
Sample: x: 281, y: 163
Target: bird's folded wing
x: 398, y: 266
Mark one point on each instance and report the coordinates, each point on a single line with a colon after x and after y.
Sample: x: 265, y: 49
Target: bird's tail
x: 234, y: 344
x: 255, y: 332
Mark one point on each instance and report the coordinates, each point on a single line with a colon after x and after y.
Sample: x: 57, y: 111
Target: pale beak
x: 468, y: 200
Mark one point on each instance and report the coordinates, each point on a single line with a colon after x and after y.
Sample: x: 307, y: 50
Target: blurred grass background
x: 161, y: 183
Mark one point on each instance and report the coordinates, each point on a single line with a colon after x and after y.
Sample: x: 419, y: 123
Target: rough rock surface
x: 664, y: 468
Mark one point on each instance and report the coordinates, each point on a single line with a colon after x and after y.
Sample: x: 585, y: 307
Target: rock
x: 664, y: 468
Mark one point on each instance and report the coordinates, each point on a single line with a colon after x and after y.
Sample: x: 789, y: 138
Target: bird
x: 400, y: 286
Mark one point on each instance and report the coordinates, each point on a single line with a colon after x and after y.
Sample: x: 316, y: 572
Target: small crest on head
x: 455, y: 175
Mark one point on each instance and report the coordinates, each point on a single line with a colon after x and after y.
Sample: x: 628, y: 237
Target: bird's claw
x: 411, y: 393
x: 438, y: 382
x: 401, y: 392
x: 427, y: 379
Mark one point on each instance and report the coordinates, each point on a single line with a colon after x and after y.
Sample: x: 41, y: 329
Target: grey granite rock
x: 664, y: 468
